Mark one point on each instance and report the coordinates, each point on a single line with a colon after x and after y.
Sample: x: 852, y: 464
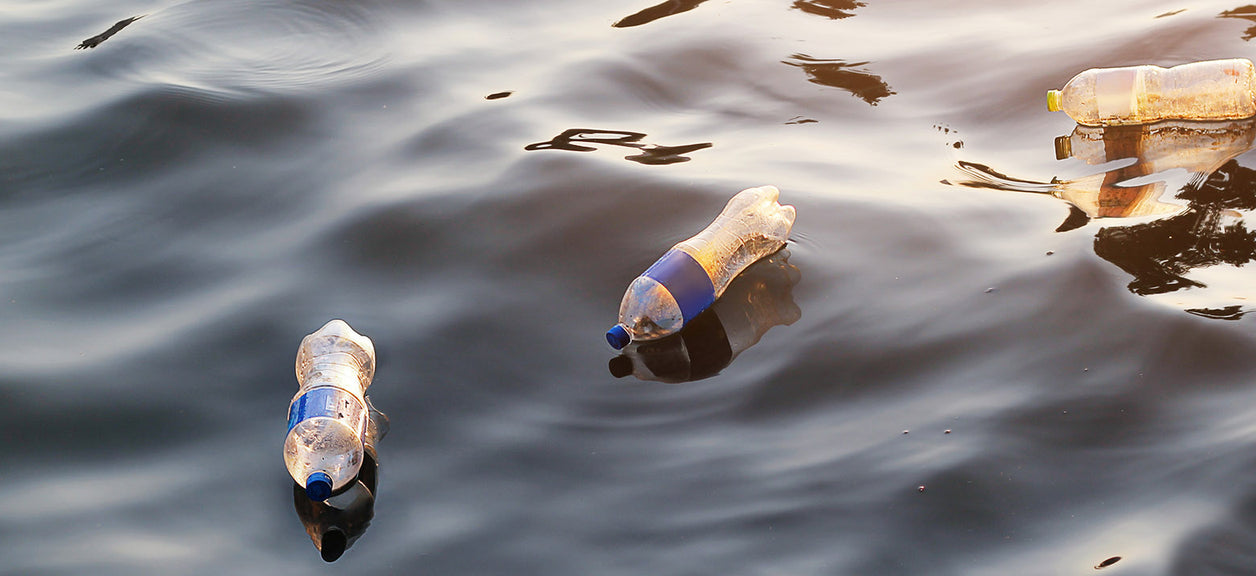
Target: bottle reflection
x: 1190, y: 245
x: 1199, y: 148
x: 336, y: 523
x: 1209, y: 234
x: 758, y: 299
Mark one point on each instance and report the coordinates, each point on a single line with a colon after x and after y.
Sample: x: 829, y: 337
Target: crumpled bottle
x: 757, y: 300
x: 690, y: 276
x: 328, y: 416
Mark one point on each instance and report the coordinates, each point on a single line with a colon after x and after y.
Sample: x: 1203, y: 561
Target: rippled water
x: 973, y: 358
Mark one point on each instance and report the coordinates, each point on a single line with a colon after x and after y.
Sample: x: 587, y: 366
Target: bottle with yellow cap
x: 1209, y: 90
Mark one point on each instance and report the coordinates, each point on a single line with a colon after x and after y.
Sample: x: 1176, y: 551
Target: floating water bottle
x: 1211, y: 90
x: 758, y: 299
x: 327, y: 418
x: 336, y: 523
x: 690, y: 276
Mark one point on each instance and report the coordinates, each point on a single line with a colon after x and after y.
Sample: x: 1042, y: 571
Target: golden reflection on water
x: 1188, y: 246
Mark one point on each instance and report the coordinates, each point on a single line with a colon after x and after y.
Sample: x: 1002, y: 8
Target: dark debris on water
x: 95, y: 41
x: 1108, y: 562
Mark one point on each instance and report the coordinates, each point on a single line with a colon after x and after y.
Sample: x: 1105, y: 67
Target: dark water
x: 473, y: 184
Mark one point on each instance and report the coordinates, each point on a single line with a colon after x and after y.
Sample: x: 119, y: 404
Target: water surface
x: 473, y: 184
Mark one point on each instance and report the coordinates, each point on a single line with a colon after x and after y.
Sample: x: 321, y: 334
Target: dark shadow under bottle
x: 336, y: 523
x: 758, y: 299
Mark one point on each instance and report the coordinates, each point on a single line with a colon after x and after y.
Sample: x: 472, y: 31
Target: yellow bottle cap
x: 1053, y: 100
x: 1063, y: 147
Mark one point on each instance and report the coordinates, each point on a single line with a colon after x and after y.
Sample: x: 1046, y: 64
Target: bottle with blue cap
x: 689, y: 277
x: 327, y: 418
x: 334, y: 524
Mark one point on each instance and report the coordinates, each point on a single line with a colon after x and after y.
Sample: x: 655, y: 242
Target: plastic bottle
x: 758, y: 299
x: 690, y: 276
x: 327, y: 418
x: 1210, y: 90
x: 336, y: 523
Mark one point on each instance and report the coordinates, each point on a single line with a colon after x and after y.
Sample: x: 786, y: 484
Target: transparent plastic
x: 1199, y: 148
x: 334, y: 524
x: 329, y: 414
x: 1209, y: 90
x: 758, y: 299
x: 752, y: 225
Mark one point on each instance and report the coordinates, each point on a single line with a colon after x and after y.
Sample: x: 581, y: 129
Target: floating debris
x: 95, y: 41
x: 1108, y: 562
x: 499, y: 95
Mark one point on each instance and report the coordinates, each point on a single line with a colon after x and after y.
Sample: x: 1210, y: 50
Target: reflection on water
x: 95, y: 41
x: 827, y: 72
x: 845, y: 75
x: 577, y: 140
x: 1246, y: 13
x: 1199, y: 231
x: 1210, y: 232
x: 835, y: 9
x: 668, y: 8
x: 336, y: 523
x: 758, y: 299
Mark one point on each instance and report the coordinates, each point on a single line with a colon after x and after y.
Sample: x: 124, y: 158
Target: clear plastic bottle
x: 758, y: 299
x: 1210, y: 90
x: 327, y: 418
x: 336, y: 523
x: 690, y: 276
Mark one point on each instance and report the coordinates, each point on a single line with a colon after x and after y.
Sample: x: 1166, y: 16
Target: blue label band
x: 326, y: 403
x: 685, y: 278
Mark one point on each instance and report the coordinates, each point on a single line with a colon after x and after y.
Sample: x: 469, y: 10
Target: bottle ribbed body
x: 690, y: 276
x: 327, y: 418
x: 1209, y: 90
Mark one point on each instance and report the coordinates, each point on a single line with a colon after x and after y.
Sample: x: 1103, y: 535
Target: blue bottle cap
x: 618, y: 336
x: 318, y: 486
